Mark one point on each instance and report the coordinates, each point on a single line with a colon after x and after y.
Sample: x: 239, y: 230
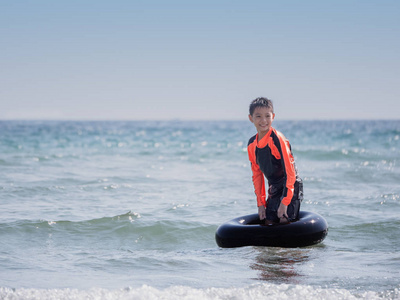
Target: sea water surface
x: 129, y: 210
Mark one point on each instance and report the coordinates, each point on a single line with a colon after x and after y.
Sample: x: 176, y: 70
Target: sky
x: 199, y: 60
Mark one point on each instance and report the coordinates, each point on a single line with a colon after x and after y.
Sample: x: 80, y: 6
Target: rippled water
x: 130, y: 209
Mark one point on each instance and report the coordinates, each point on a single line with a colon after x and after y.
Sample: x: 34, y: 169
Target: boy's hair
x: 260, y: 102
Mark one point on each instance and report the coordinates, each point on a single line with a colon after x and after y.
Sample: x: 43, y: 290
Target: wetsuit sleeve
x: 288, y: 166
x: 258, y: 176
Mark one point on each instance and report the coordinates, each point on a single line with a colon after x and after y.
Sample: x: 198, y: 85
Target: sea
x: 129, y: 210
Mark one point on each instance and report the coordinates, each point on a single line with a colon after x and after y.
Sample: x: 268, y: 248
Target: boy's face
x: 262, y: 118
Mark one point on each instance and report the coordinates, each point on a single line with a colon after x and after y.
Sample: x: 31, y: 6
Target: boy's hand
x: 282, y: 213
x: 261, y: 212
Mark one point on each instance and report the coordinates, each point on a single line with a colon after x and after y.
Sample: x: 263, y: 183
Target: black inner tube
x: 310, y: 229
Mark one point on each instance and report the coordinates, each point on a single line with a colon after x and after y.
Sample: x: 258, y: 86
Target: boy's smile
x: 262, y: 118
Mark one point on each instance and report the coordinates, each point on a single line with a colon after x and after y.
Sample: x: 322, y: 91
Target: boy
x: 271, y: 156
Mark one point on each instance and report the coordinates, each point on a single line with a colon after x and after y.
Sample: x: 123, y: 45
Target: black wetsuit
x: 272, y: 157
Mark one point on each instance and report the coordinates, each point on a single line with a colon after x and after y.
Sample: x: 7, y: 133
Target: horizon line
x: 187, y: 120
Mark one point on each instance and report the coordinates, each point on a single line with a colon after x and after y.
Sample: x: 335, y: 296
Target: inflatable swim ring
x: 310, y: 229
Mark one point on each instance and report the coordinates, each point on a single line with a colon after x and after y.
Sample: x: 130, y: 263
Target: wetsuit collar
x: 263, y: 142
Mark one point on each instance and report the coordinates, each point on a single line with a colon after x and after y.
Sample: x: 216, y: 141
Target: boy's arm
x: 259, y: 184
x: 258, y: 176
x: 288, y: 166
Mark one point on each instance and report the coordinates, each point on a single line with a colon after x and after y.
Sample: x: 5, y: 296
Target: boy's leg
x: 294, y: 206
x: 273, y: 202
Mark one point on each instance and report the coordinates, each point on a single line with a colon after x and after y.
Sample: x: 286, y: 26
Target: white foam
x: 258, y: 291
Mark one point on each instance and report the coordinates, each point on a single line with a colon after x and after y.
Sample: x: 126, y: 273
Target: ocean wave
x: 257, y: 291
x: 143, y: 233
x: 96, y: 224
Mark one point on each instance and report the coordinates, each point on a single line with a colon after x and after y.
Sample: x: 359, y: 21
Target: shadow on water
x: 280, y: 265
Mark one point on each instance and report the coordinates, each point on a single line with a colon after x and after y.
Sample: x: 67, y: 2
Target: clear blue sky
x: 199, y: 59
